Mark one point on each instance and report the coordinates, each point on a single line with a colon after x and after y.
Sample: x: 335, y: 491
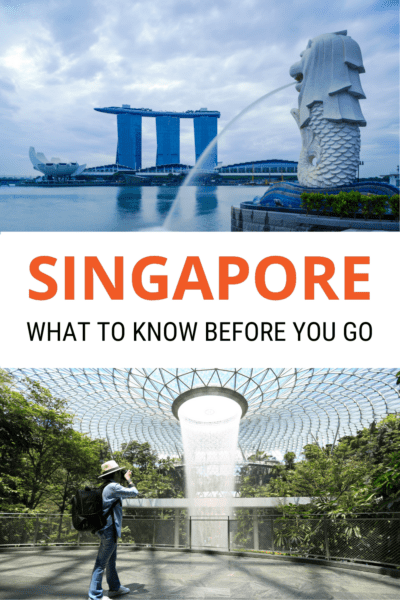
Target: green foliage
x: 344, y: 204
x: 312, y: 201
x: 45, y: 461
x: 259, y: 456
x: 37, y: 528
x: 360, y: 474
x: 351, y: 204
x: 289, y: 459
x: 394, y: 205
x: 136, y: 455
x: 294, y: 534
x: 380, y: 205
x: 154, y: 477
x: 127, y: 535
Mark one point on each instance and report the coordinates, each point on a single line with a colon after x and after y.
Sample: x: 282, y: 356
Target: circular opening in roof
x: 209, y: 409
x: 209, y: 405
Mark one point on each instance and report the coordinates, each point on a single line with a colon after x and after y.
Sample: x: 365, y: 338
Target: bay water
x: 110, y: 208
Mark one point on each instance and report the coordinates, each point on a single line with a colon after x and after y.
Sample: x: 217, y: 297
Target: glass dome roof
x: 287, y: 408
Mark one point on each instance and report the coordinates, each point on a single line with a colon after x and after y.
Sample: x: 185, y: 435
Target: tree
x: 14, y: 435
x: 289, y: 459
x: 360, y: 474
x: 381, y: 444
x: 79, y: 467
x: 154, y: 477
x: 260, y: 456
x: 47, y: 445
x: 323, y: 476
x: 138, y: 455
x: 44, y: 459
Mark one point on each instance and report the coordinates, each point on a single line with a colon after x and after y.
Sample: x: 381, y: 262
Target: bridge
x: 129, y: 125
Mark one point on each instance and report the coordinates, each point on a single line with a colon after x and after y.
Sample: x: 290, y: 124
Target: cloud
x: 60, y: 60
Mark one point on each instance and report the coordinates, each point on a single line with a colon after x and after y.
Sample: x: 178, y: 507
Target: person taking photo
x: 112, y: 496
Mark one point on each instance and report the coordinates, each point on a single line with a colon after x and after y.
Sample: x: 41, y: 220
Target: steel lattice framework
x: 287, y: 408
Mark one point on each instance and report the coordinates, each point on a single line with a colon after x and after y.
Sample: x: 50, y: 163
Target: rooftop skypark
x: 129, y: 124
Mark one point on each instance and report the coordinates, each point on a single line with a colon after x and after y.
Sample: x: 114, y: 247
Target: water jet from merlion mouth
x: 210, y: 429
x: 197, y: 169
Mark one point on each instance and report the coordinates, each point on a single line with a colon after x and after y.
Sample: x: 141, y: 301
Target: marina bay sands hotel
x: 129, y: 124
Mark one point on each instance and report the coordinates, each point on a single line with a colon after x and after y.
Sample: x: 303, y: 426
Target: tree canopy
x: 154, y: 477
x: 45, y: 460
x: 360, y: 474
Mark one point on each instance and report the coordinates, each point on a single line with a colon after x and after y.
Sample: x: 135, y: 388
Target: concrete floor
x: 65, y: 573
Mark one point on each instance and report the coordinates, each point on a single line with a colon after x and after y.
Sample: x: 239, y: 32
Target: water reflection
x: 165, y: 199
x: 206, y: 200
x: 129, y: 200
x: 130, y: 208
x: 196, y: 174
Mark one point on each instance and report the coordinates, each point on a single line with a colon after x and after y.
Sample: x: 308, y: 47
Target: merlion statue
x: 329, y: 114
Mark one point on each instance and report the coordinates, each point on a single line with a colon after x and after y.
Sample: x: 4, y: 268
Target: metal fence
x: 372, y: 539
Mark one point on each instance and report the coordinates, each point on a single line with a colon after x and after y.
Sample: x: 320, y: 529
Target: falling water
x: 205, y: 155
x: 210, y: 429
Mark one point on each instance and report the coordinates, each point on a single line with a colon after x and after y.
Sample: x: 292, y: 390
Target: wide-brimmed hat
x: 109, y: 467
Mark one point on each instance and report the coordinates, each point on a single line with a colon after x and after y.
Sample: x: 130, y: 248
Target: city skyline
x: 58, y: 62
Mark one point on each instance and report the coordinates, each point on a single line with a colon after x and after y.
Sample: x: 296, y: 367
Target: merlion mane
x: 329, y: 113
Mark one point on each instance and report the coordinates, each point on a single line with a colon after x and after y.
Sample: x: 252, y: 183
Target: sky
x: 60, y: 60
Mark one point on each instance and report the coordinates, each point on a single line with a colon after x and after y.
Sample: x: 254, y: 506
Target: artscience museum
x: 54, y: 168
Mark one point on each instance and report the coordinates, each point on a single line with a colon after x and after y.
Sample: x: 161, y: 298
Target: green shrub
x: 351, y: 204
x: 305, y: 196
x: 345, y: 204
x: 366, y: 206
x: 380, y: 205
x: 312, y: 201
x: 394, y: 205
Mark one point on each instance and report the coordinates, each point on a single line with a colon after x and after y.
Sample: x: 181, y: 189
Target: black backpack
x: 87, y: 509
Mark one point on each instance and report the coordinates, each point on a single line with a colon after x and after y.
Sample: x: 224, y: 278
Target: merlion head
x: 329, y: 72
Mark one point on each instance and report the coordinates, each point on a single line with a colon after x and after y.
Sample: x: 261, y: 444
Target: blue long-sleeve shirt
x: 112, y: 492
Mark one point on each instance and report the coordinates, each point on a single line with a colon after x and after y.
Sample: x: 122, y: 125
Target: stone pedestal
x: 264, y: 219
x: 288, y: 194
x: 279, y: 209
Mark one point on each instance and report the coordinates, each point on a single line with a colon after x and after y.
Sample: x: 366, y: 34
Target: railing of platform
x: 371, y: 539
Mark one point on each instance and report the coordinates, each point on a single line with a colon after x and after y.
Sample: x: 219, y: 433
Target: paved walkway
x: 65, y: 573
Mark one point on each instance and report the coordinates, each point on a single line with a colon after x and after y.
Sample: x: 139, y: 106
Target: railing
x: 372, y: 539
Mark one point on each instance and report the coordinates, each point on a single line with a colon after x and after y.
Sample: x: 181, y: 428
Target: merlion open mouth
x: 299, y: 78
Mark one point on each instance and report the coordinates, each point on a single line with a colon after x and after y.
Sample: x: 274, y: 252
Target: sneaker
x: 122, y: 590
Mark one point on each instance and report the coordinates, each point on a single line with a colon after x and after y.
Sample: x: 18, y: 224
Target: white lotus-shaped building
x: 54, y: 167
